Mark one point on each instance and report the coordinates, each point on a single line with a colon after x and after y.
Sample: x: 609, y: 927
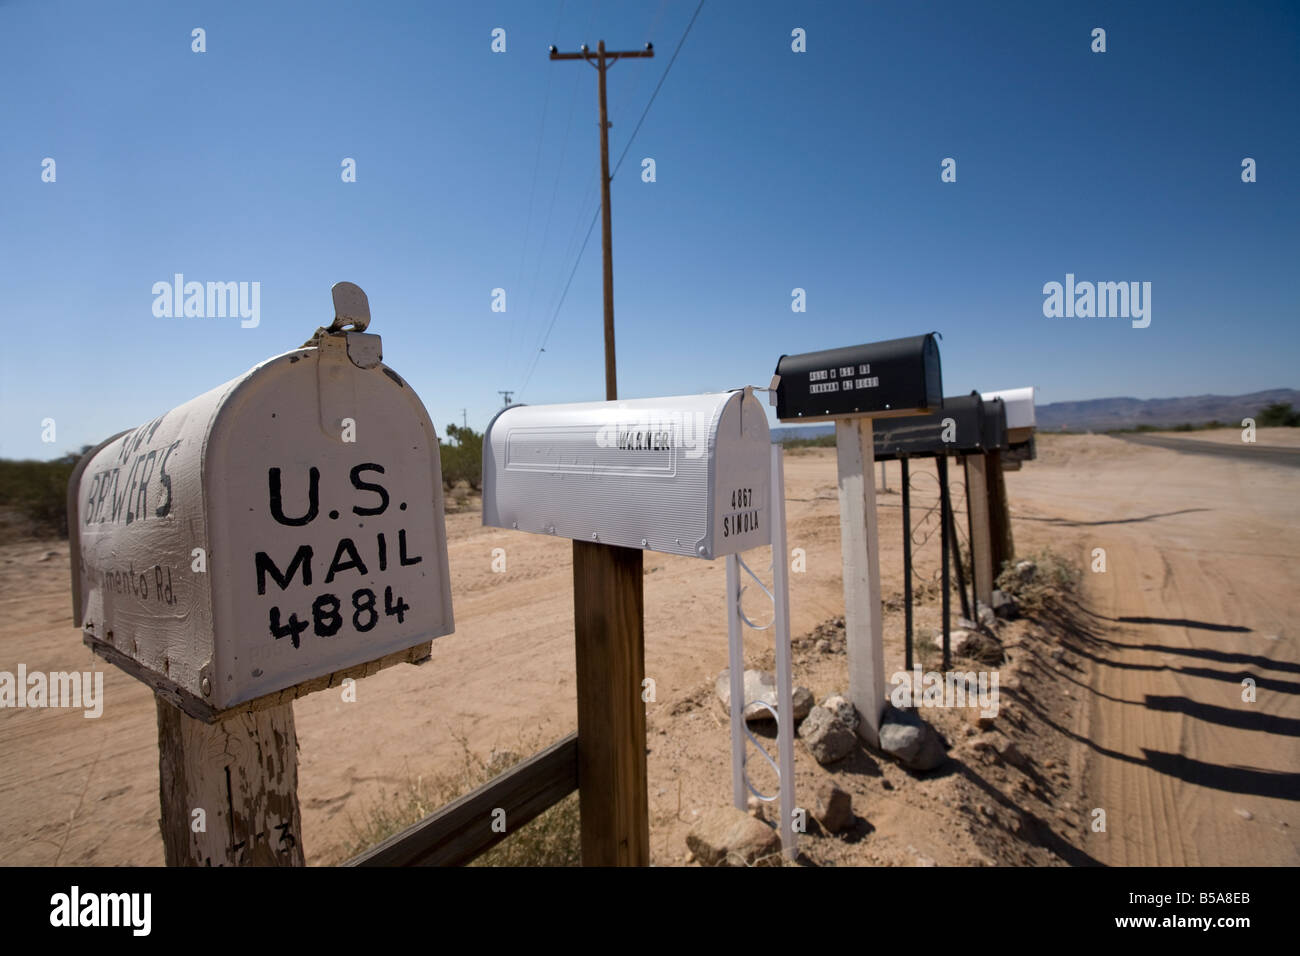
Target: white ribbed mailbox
x: 285, y: 526
x: 684, y: 475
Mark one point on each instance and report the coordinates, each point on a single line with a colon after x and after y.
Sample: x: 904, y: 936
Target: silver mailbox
x: 284, y: 526
x: 685, y: 475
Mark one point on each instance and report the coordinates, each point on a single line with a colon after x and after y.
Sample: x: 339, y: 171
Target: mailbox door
x: 328, y: 537
x: 995, y: 425
x: 742, y: 479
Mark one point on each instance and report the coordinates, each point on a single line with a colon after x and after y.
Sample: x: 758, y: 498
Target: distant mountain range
x: 1104, y: 414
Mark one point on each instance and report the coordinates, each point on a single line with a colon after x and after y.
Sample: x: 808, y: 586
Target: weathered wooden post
x: 280, y: 534
x: 851, y: 386
x: 977, y: 512
x: 986, y: 498
x: 687, y: 475
x: 242, y: 772
x: 609, y: 641
x: 1021, y: 426
x: 1002, y: 544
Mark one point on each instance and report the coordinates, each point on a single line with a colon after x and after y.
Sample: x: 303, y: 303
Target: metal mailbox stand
x: 612, y: 476
x: 784, y: 712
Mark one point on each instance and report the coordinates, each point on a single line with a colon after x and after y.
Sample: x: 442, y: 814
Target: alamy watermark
x: 1102, y: 300
x: 954, y: 689
x: 130, y: 910
x: 213, y: 300
x: 55, y: 689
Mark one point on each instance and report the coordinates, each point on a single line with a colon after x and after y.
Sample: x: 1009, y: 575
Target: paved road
x: 1269, y: 454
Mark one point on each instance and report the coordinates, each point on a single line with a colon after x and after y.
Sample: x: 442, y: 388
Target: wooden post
x: 609, y: 631
x: 860, y: 550
x: 981, y: 551
x: 242, y: 773
x: 1002, y: 542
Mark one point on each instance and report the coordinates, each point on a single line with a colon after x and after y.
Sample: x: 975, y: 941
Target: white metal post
x: 736, y: 655
x: 784, y: 675
x: 784, y: 710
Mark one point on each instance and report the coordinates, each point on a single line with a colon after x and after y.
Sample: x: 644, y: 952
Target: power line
x: 560, y: 304
x: 657, y: 88
x: 532, y: 191
x: 573, y: 235
x: 578, y: 261
x: 546, y: 231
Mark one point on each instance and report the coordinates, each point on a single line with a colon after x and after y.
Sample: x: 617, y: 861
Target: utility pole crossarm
x: 586, y: 54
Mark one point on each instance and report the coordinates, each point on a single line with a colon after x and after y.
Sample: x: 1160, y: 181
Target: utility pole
x: 609, y: 625
x: 602, y: 60
x: 464, y: 417
x: 507, y: 396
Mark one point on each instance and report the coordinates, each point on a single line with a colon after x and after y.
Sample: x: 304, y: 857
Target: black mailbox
x: 965, y: 425
x: 995, y: 424
x: 877, y: 380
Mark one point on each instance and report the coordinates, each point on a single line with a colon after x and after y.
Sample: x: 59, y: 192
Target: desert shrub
x: 928, y: 646
x: 1279, y: 413
x: 1055, y: 579
x: 37, y: 491
x: 462, y: 456
x: 821, y: 441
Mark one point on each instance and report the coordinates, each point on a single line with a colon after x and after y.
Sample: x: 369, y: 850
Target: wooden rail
x: 460, y: 831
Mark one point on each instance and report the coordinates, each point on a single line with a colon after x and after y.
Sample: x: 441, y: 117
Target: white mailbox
x: 283, y: 527
x: 1019, y: 403
x: 1021, y: 423
x: 687, y: 475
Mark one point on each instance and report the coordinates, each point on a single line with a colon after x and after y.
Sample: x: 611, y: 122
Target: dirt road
x: 1200, y: 591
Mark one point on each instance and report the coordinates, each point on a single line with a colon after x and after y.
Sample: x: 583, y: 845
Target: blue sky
x: 775, y: 170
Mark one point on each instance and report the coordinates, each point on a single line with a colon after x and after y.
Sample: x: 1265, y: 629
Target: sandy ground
x: 1139, y: 713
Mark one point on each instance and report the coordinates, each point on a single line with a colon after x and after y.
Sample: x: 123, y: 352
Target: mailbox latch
x: 351, y: 319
